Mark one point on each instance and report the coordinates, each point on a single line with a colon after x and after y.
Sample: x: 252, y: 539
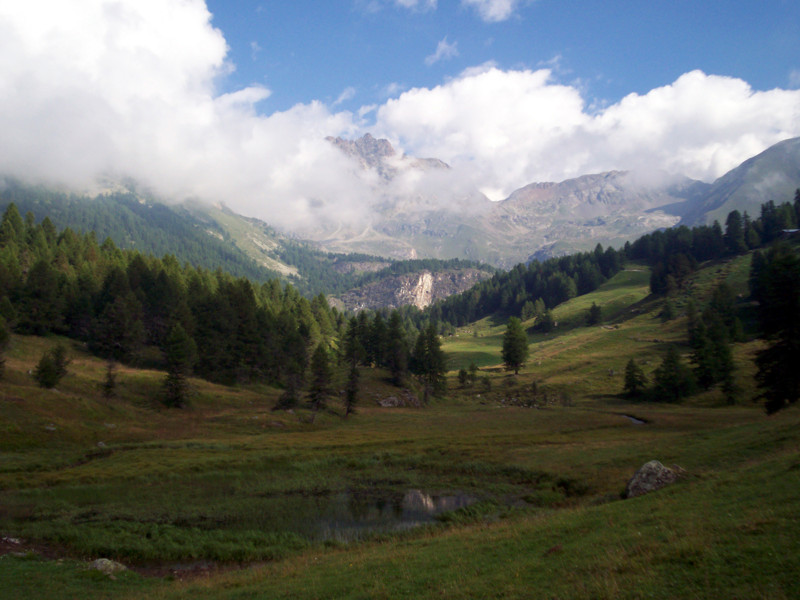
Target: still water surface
x: 347, y: 516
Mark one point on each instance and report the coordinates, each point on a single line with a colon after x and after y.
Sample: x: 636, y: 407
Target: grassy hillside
x: 188, y: 497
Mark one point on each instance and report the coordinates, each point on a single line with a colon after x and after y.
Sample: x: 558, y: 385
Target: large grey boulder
x: 650, y: 477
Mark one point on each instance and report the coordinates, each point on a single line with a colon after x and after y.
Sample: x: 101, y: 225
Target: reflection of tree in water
x: 360, y: 505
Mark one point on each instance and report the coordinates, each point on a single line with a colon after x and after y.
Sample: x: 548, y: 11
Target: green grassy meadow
x: 228, y: 499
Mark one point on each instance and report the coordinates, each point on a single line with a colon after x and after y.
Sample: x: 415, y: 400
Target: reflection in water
x: 348, y: 516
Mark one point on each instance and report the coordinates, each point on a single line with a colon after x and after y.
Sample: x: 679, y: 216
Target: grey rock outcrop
x: 650, y: 477
x: 419, y: 289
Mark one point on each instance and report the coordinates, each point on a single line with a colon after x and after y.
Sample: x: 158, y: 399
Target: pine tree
x: 321, y: 379
x: 180, y: 354
x: 595, y: 315
x: 396, y: 351
x: 110, y: 382
x: 778, y: 295
x: 635, y: 379
x: 515, y: 346
x: 428, y: 362
x: 351, y: 390
x: 673, y: 379
x: 378, y: 337
x: 735, y: 233
x: 354, y: 352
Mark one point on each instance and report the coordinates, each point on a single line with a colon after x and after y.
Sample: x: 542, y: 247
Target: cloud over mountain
x: 131, y: 88
x: 514, y: 127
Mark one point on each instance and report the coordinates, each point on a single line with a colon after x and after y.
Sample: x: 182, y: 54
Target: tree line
x: 774, y: 287
x: 134, y: 308
x: 675, y: 253
x: 530, y: 290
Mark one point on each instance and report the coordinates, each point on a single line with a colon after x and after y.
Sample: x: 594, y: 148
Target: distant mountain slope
x: 137, y: 223
x: 553, y: 219
x: 215, y: 237
x: 772, y: 175
x: 541, y: 219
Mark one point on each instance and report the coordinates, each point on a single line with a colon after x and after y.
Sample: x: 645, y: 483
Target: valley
x: 216, y: 500
x: 208, y: 432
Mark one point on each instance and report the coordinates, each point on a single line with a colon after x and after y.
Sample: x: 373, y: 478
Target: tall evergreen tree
x: 109, y: 386
x: 354, y: 353
x: 778, y: 294
x: 42, y: 300
x: 673, y: 379
x: 321, y: 380
x: 180, y: 354
x: 351, y: 390
x: 734, y: 233
x: 118, y: 333
x: 396, y: 349
x: 595, y: 316
x: 12, y: 227
x: 515, y: 346
x: 428, y: 362
x: 378, y: 337
x: 635, y: 379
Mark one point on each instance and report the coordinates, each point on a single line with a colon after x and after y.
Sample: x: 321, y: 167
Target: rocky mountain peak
x: 380, y: 155
x: 368, y: 150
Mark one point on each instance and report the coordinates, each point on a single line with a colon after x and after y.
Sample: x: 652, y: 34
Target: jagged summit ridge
x: 379, y: 154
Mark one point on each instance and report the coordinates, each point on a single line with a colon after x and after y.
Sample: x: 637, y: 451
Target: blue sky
x: 232, y: 101
x: 307, y: 50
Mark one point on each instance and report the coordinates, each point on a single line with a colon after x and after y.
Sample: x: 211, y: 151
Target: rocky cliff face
x: 417, y: 289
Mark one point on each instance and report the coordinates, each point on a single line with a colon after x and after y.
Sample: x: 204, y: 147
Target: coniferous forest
x: 134, y: 308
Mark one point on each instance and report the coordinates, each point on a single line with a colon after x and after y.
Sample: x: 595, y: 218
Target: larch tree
x: 515, y: 346
x: 635, y: 379
x: 180, y: 354
x: 321, y: 380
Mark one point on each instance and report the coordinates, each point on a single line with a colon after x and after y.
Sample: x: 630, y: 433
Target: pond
x: 347, y: 516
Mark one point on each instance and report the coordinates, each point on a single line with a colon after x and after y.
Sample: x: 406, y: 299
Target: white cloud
x: 511, y: 128
x: 128, y: 88
x: 347, y: 94
x: 444, y: 51
x: 114, y: 88
x: 374, y: 6
x: 493, y: 11
x: 392, y: 89
x: 422, y: 5
x: 255, y: 50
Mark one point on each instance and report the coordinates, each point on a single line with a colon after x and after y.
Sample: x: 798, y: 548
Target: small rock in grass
x: 107, y: 566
